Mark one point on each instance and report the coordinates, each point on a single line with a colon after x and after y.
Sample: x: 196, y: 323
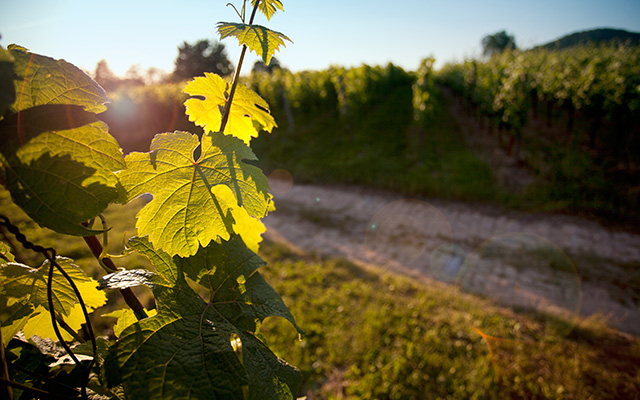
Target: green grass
x: 370, y: 334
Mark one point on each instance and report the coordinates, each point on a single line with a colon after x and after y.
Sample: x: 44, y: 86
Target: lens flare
x: 447, y: 262
x: 281, y: 181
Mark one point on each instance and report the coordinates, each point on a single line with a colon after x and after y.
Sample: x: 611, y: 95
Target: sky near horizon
x: 324, y: 32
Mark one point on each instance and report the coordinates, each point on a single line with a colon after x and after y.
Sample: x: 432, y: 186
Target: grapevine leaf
x: 273, y: 378
x: 186, y: 347
x: 57, y: 157
x: 125, y: 318
x: 62, y: 129
x: 14, y: 314
x: 166, y: 271
x: 177, y: 352
x: 58, y: 192
x: 28, y: 356
x: 44, y: 80
x: 40, y: 323
x: 126, y: 279
x: 183, y: 349
x: 229, y: 271
x: 86, y: 349
x: 264, y: 42
x: 268, y: 7
x: 7, y: 89
x: 249, y: 113
x: 249, y: 229
x: 195, y: 200
x: 5, y: 253
x: 20, y: 282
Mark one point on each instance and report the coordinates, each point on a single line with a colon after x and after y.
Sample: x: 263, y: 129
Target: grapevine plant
x: 200, y: 231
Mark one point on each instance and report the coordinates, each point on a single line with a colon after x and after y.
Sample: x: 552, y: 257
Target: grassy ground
x: 373, y: 335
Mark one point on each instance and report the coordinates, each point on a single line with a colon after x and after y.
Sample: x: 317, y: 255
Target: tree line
x: 193, y: 60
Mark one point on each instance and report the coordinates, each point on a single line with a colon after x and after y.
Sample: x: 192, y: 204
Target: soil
x: 555, y: 264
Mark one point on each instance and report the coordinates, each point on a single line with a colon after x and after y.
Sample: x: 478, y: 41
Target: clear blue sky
x: 324, y: 32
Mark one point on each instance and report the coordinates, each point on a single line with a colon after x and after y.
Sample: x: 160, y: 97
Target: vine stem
x: 236, y: 76
x: 129, y: 297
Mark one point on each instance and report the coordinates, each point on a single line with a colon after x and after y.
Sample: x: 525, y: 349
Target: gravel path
x: 553, y: 263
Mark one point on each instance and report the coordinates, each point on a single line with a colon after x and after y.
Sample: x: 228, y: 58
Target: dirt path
x: 557, y: 264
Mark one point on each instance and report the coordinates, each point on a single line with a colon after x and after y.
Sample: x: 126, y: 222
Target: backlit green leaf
x: 125, y: 318
x: 5, y: 253
x: 229, y: 271
x: 264, y: 42
x: 42, y: 80
x: 126, y: 279
x: 19, y: 282
x: 195, y: 199
x: 7, y: 89
x: 268, y: 7
x: 186, y: 347
x: 14, y: 314
x: 248, y: 115
x: 39, y: 323
x: 58, y: 192
x: 166, y: 272
x: 57, y: 156
x: 62, y: 129
x: 250, y: 229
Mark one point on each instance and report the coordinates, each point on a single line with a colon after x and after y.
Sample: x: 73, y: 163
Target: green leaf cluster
x: 197, y: 199
x: 202, y: 228
x: 23, y: 295
x: 56, y: 157
x: 187, y: 346
x: 268, y: 7
x: 249, y: 114
x: 263, y: 41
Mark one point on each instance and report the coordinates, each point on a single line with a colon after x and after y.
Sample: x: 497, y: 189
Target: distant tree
x: 260, y: 66
x: 155, y: 75
x: 105, y: 76
x: 201, y: 57
x: 111, y: 82
x: 133, y: 76
x: 497, y: 43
